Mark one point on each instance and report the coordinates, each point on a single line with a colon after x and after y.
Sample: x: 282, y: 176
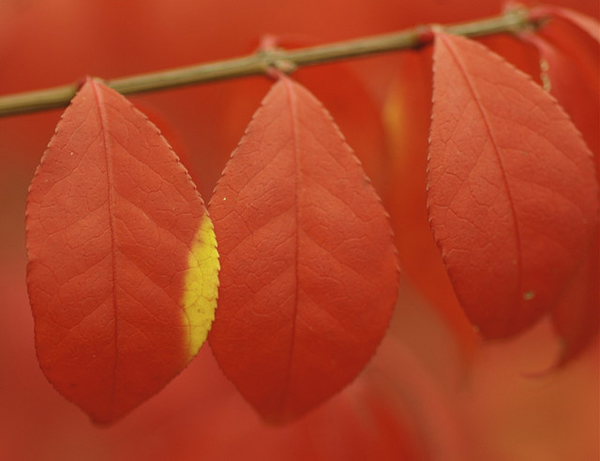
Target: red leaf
x: 122, y: 276
x: 576, y: 319
x: 587, y: 24
x: 309, y: 273
x: 351, y: 105
x: 512, y: 188
x: 570, y: 71
x: 572, y: 79
x: 407, y: 114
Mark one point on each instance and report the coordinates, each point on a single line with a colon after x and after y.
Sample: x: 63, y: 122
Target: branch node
x: 426, y: 34
x: 274, y: 58
x: 275, y: 63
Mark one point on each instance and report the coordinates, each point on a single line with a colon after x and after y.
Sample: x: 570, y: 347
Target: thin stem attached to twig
x: 259, y: 63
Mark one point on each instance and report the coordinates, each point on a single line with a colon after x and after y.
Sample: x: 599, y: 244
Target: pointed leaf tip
x: 512, y: 192
x: 122, y: 272
x: 309, y: 274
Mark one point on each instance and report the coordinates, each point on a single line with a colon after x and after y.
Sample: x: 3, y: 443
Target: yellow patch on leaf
x: 201, y: 285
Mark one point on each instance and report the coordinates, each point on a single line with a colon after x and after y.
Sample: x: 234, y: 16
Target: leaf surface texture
x: 309, y: 274
x: 123, y: 265
x: 512, y: 189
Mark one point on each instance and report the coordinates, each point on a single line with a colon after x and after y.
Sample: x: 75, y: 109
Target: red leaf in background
x: 576, y: 318
x: 512, y: 188
x: 586, y: 23
x: 572, y: 77
x: 570, y: 69
x: 122, y: 277
x: 309, y: 273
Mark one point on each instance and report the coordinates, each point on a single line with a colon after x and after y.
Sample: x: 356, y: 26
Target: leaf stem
x: 263, y: 61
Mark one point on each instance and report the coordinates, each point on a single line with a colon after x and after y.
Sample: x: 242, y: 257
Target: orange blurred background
x: 433, y: 391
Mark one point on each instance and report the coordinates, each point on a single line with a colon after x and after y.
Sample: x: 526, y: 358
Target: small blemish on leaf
x: 544, y: 67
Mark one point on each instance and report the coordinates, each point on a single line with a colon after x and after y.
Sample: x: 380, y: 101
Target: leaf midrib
x: 476, y: 98
x: 107, y: 145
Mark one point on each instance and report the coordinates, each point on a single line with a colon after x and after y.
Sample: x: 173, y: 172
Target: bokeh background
x: 434, y: 391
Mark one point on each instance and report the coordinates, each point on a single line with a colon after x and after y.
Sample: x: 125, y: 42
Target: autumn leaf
x: 407, y: 116
x: 351, y: 105
x: 572, y: 78
x: 570, y: 68
x: 309, y: 274
x: 576, y: 318
x: 587, y: 24
x: 122, y: 273
x: 512, y: 188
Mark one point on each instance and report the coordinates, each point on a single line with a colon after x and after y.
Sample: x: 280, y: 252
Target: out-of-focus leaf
x: 587, y: 24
